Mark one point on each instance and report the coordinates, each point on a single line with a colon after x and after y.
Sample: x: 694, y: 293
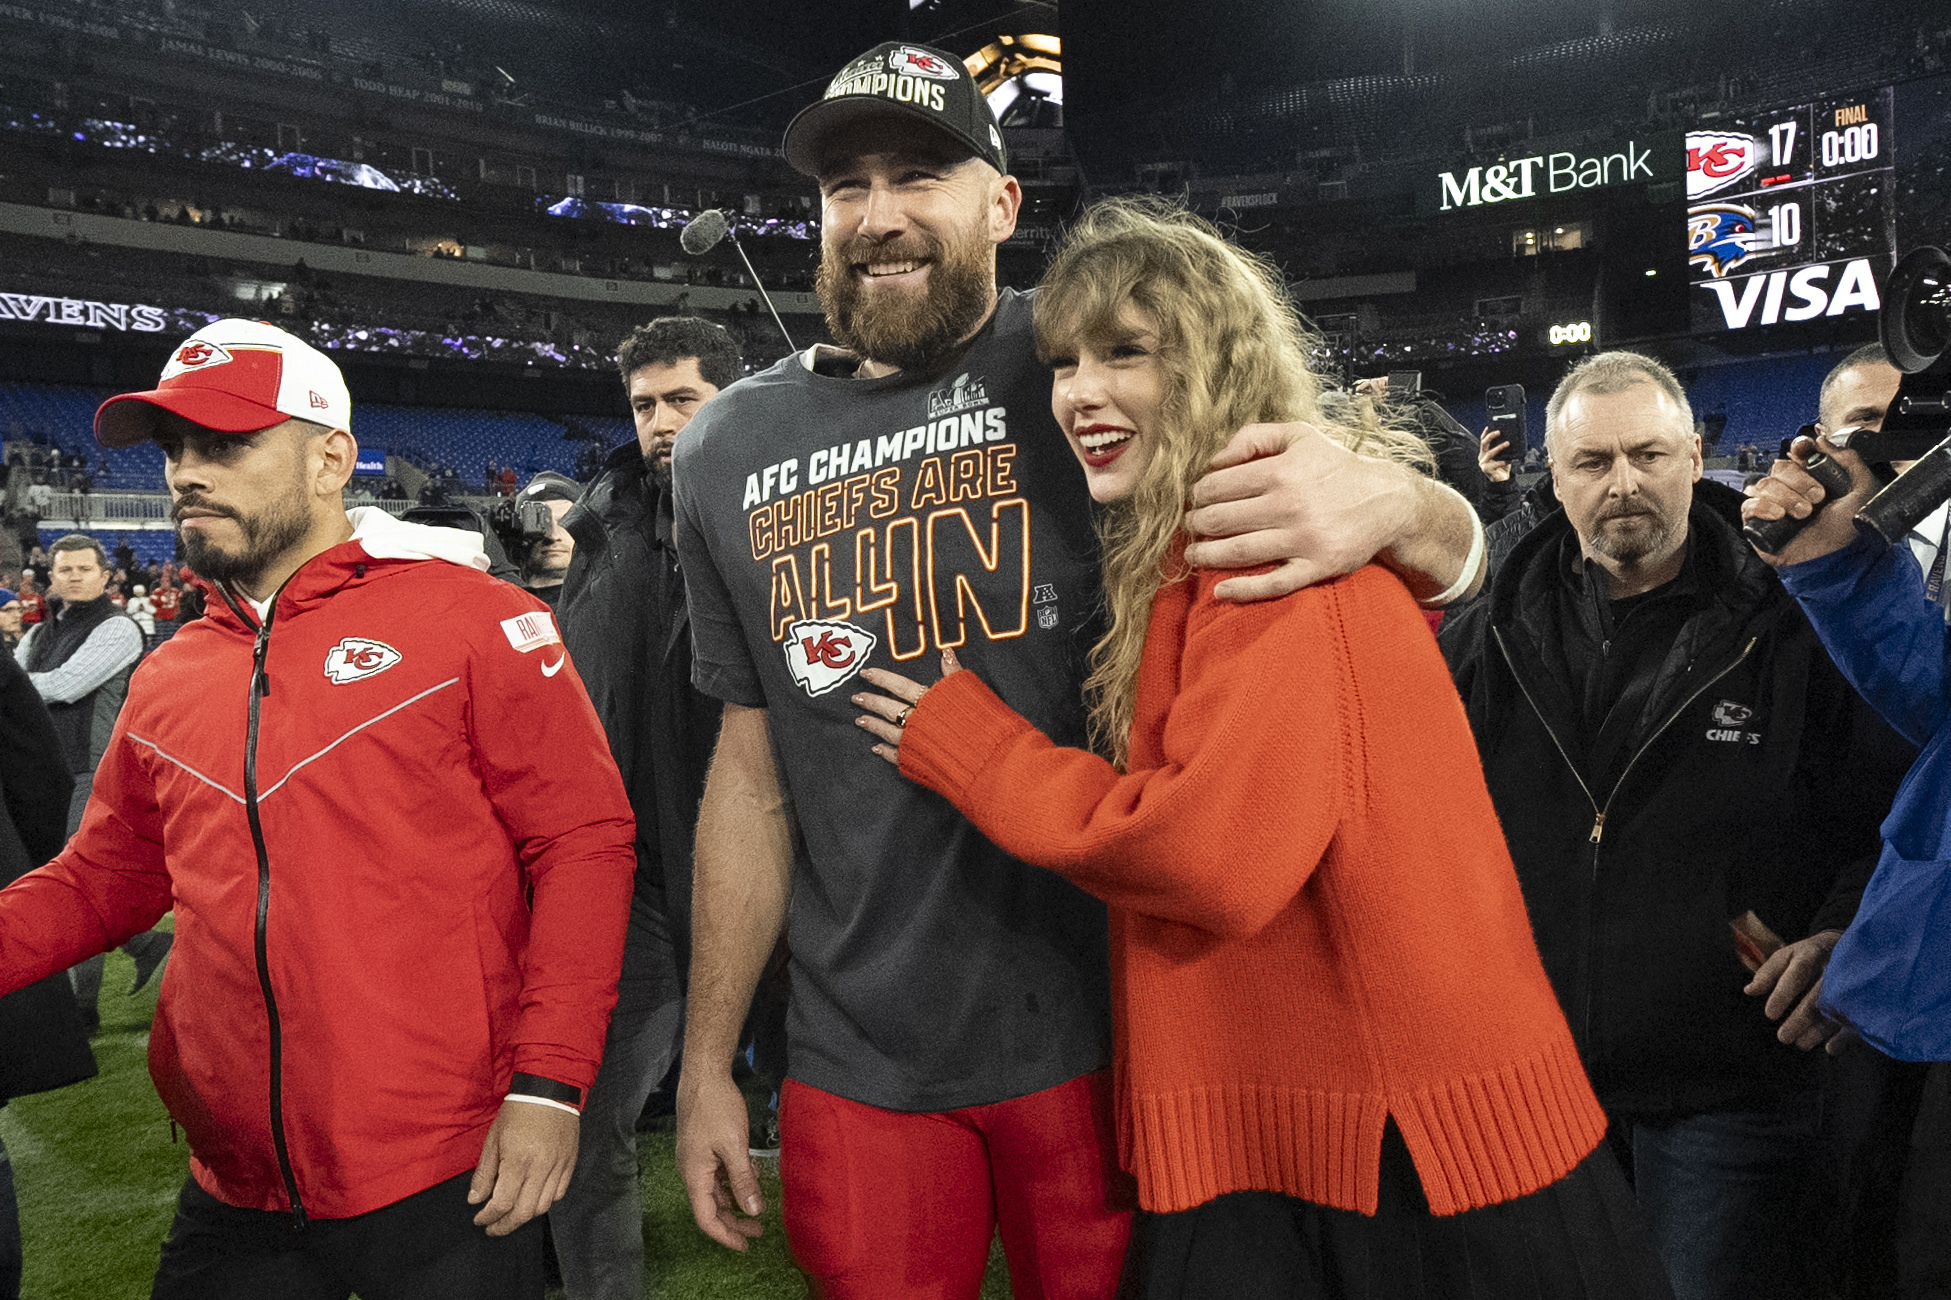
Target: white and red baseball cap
x: 234, y: 376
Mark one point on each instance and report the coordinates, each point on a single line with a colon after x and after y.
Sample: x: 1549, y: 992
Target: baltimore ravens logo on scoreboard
x: 1720, y: 237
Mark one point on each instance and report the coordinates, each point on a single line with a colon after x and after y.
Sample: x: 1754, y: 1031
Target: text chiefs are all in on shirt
x: 827, y: 524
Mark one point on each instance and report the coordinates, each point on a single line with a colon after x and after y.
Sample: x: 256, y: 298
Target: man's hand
x: 1790, y: 490
x: 1287, y: 495
x: 714, y: 1156
x: 1491, y: 447
x: 525, y: 1165
x: 1792, y: 978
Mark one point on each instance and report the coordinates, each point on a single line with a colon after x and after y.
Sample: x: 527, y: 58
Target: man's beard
x: 281, y: 525
x: 1650, y: 535
x: 658, y: 465
x: 906, y: 330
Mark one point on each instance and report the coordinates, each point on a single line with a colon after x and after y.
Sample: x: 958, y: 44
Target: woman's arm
x: 1225, y: 829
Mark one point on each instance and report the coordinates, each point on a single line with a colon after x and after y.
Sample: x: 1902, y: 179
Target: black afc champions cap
x: 900, y: 78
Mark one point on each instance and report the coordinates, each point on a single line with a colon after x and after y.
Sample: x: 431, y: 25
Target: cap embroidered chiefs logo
x: 356, y: 658
x: 919, y: 63
x: 822, y: 654
x: 197, y: 355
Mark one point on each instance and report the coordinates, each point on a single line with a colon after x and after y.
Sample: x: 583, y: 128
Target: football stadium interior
x: 468, y: 203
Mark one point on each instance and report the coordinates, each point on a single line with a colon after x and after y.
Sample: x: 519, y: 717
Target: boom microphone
x: 704, y: 232
x: 703, y: 235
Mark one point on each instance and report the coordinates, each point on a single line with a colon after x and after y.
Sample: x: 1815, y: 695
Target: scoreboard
x: 1791, y: 215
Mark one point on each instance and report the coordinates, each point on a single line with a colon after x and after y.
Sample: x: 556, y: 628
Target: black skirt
x: 1581, y: 1238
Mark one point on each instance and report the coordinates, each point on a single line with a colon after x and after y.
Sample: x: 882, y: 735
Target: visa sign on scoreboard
x: 1791, y: 215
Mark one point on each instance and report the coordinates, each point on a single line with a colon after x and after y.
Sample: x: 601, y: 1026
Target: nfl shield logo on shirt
x: 822, y: 654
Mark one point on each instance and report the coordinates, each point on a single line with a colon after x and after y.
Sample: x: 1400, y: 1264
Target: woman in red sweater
x: 1340, y: 1069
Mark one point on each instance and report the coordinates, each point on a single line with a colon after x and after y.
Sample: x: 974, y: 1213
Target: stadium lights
x: 1011, y: 66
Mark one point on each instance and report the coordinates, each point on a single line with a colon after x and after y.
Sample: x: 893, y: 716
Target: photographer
x: 547, y: 562
x: 1889, y: 977
x: 1857, y: 394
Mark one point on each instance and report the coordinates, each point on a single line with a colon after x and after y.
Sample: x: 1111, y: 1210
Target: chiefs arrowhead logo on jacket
x: 356, y: 658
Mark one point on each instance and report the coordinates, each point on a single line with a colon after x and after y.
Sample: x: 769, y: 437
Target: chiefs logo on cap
x: 198, y: 355
x: 919, y: 63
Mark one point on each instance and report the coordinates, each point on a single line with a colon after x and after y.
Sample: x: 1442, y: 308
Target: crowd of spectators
x: 157, y: 594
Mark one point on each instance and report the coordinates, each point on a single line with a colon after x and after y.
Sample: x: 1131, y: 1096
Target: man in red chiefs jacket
x: 373, y: 790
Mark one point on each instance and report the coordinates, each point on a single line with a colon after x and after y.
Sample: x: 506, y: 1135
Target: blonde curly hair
x: 1233, y: 352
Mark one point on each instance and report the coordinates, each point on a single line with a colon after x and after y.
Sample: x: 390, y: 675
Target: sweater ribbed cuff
x: 952, y: 733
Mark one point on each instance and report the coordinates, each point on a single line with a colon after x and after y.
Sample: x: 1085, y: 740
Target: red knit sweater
x: 1315, y: 925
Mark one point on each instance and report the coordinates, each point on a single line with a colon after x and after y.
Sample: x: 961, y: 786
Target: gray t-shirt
x: 826, y: 524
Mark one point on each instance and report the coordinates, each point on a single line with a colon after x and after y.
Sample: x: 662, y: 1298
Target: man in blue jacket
x: 1890, y: 975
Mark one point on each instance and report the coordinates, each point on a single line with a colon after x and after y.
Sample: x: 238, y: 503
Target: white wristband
x: 1471, y: 565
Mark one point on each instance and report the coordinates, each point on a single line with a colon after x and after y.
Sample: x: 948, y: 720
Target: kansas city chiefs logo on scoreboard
x: 821, y: 654
x: 1717, y: 160
x: 919, y: 63
x: 357, y: 657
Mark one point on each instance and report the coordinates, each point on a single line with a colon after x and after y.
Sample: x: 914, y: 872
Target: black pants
x: 1581, y: 1238
x: 425, y: 1247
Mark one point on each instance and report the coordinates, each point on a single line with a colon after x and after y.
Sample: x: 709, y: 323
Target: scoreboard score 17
x: 1791, y: 215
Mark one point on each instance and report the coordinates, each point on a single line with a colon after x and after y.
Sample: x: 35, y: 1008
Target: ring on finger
x: 901, y: 718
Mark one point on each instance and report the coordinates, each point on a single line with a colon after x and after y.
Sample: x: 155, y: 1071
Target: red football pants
x: 886, y: 1205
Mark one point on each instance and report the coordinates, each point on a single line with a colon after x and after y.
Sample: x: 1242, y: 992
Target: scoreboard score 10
x: 1791, y: 215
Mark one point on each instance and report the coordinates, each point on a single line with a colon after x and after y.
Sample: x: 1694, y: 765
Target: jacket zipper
x: 1597, y: 826
x: 261, y: 687
x: 1601, y: 810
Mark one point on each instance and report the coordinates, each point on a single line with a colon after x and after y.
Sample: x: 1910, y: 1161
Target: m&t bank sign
x: 1556, y: 173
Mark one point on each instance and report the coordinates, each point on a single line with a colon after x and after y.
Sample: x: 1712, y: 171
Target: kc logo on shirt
x: 357, y: 658
x: 1728, y: 718
x: 821, y: 654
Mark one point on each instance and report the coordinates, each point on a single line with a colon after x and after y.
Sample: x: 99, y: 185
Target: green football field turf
x: 98, y: 1175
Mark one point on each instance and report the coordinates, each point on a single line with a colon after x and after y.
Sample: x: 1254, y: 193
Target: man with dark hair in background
x: 1669, y: 749
x: 79, y: 659
x: 623, y: 618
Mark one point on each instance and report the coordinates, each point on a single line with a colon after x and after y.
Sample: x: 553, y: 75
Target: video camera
x: 521, y: 521
x: 1915, y: 329
x: 509, y: 527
